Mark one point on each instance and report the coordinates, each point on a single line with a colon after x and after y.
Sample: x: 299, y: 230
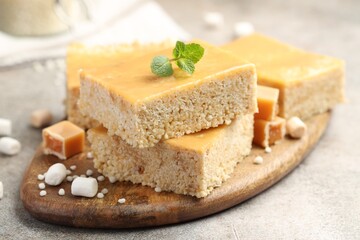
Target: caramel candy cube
x: 267, y: 133
x: 63, y: 140
x: 267, y: 100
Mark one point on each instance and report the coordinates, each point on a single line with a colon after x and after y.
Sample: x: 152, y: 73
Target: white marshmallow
x: 43, y: 193
x: 55, y: 174
x: 100, y: 195
x: 9, y: 146
x: 214, y: 19
x: 157, y: 189
x: 69, y: 178
x: 5, y: 127
x: 258, y: 160
x: 61, y: 192
x: 122, y: 200
x: 268, y: 149
x: 295, y: 127
x: 1, y: 190
x: 242, y: 29
x: 84, y: 187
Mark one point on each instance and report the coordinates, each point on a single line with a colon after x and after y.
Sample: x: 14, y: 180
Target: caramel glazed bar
x: 143, y: 109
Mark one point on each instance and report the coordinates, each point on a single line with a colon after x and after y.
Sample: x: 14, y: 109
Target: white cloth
x: 112, y: 22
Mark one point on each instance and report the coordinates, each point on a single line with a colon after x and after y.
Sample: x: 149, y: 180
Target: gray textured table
x: 318, y: 200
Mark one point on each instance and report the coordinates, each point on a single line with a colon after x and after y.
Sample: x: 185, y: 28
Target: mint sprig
x: 185, y: 56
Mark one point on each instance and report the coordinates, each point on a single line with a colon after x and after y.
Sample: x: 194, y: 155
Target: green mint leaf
x: 161, y: 66
x: 185, y: 55
x: 179, y: 49
x: 186, y: 64
x: 193, y: 51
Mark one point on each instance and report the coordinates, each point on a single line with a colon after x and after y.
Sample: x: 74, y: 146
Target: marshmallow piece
x: 1, y: 190
x: 214, y: 19
x: 268, y: 149
x: 40, y: 118
x: 69, y: 178
x: 100, y: 178
x: 104, y: 191
x: 242, y: 29
x: 61, y: 192
x: 5, y: 127
x: 42, y: 193
x: 122, y: 200
x: 295, y: 127
x: 40, y: 177
x: 89, y: 172
x: 258, y: 160
x: 41, y: 186
x: 55, y: 174
x: 9, y: 146
x: 84, y: 187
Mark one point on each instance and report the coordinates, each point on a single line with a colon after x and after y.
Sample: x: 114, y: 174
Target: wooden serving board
x: 144, y: 207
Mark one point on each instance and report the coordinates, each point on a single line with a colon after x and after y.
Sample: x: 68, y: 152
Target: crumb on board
x: 42, y: 186
x: 61, y: 192
x: 104, y: 191
x: 268, y: 149
x: 100, y: 178
x: 258, y: 160
x: 89, y: 172
x: 40, y: 177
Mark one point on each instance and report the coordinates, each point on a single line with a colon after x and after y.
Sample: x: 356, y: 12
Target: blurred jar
x: 39, y: 17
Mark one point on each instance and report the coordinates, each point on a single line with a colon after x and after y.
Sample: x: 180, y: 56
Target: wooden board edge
x: 37, y: 210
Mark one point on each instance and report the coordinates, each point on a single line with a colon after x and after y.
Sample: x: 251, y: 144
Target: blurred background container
x: 40, y: 17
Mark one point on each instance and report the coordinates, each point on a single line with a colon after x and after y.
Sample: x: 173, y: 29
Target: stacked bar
x: 185, y: 134
x: 309, y: 83
x: 82, y: 57
x: 154, y: 129
x: 143, y: 109
x: 193, y: 164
